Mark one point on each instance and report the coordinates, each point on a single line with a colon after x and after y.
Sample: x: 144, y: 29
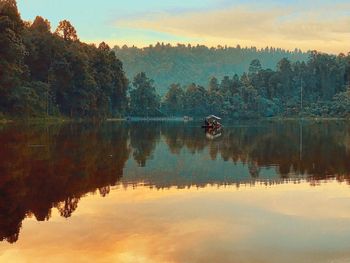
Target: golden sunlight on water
x: 280, y: 223
x: 261, y: 192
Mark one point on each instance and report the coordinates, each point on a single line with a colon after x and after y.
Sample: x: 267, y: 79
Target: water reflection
x: 71, y: 161
x: 45, y: 167
x: 213, y: 133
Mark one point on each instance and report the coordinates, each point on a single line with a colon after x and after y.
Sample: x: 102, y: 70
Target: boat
x: 212, y: 122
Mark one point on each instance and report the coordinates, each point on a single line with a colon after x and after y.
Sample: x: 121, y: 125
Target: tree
x: 40, y: 49
x: 236, y: 84
x: 213, y: 85
x: 225, y: 85
x: 66, y: 31
x: 42, y: 72
x: 196, y: 100
x: 254, y: 67
x: 215, y: 103
x: 284, y: 66
x: 174, y: 100
x: 186, y: 64
x: 341, y: 105
x: 12, y: 52
x: 110, y: 78
x: 284, y: 70
x: 104, y: 47
x: 40, y: 24
x: 9, y: 14
x: 144, y: 100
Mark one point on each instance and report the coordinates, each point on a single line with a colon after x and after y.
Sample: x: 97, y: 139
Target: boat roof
x: 213, y: 117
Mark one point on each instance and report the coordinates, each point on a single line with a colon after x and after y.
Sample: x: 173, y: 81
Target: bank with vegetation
x: 47, y: 73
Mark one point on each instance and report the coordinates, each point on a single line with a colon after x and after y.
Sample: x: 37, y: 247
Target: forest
x: 167, y: 64
x: 46, y: 72
x: 318, y: 87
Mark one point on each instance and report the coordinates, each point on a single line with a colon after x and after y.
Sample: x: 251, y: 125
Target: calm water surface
x: 167, y: 192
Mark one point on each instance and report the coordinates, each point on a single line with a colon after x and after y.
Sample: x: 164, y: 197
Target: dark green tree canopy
x: 185, y: 64
x: 104, y: 47
x: 45, y: 73
x: 174, y: 100
x: 213, y: 85
x: 254, y: 67
x: 52, y: 74
x: 144, y: 100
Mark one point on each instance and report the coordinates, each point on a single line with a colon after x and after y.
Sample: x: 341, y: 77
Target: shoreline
x: 39, y: 120
x: 307, y: 119
x: 34, y: 120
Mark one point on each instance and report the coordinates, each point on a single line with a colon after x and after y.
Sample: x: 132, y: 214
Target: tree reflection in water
x: 54, y: 166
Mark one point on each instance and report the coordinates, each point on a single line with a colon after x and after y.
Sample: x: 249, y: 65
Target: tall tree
x: 213, y: 85
x: 254, y: 67
x: 196, y: 100
x: 144, y: 100
x: 12, y: 52
x: 42, y: 25
x: 66, y: 31
x: 174, y: 100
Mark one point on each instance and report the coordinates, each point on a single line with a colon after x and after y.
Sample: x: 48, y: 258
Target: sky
x: 308, y: 24
x: 140, y: 224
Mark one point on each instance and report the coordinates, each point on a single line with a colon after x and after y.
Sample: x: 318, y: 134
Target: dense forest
x: 46, y: 72
x: 318, y: 87
x: 184, y: 64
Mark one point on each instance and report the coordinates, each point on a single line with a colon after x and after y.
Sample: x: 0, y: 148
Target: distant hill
x: 167, y: 64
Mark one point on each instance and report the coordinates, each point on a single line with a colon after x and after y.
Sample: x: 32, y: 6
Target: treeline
x: 185, y: 64
x: 54, y: 74
x: 45, y: 73
x: 318, y: 87
x: 236, y: 82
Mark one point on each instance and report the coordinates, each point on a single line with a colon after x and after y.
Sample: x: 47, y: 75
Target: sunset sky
x: 308, y: 24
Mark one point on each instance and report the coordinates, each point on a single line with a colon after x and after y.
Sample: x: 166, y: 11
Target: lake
x: 169, y: 192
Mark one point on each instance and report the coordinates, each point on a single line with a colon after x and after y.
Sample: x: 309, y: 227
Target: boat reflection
x: 76, y: 159
x: 213, y: 133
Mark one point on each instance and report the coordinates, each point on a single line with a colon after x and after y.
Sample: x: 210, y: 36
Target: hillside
x: 167, y: 64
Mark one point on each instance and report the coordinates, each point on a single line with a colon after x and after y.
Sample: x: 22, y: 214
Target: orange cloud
x: 212, y: 224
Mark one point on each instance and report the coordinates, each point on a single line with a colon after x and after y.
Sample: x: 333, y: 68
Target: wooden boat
x: 212, y: 122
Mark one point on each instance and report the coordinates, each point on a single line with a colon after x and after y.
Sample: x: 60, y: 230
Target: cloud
x: 324, y: 27
x: 195, y: 225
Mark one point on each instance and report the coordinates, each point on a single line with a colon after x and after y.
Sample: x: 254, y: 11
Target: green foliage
x: 254, y: 67
x: 12, y: 51
x: 174, y: 100
x: 341, y: 105
x: 31, y: 100
x: 196, y: 100
x: 51, y: 74
x: 144, y: 100
x: 44, y: 73
x: 268, y: 93
x: 183, y: 64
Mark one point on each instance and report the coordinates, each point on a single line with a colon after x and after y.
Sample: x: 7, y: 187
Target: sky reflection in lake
x: 130, y: 193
